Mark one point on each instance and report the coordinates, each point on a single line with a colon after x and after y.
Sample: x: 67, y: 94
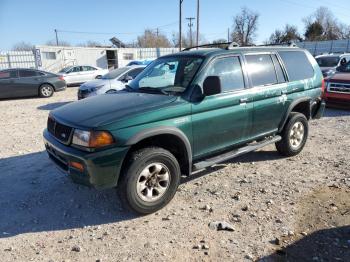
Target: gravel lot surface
x: 273, y: 208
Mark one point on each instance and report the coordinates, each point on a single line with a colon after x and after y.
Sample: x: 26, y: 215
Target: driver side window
x: 229, y: 70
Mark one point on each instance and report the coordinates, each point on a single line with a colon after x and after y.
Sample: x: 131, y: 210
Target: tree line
x: 320, y: 25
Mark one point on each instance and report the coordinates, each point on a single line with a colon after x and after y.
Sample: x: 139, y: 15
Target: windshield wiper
x: 153, y: 89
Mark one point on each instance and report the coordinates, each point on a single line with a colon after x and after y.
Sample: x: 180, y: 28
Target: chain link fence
x: 324, y: 47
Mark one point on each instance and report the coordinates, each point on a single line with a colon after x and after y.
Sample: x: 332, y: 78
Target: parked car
x: 144, y: 62
x: 337, y: 91
x: 113, y: 81
x: 18, y: 82
x: 80, y: 74
x: 220, y: 104
x: 329, y: 62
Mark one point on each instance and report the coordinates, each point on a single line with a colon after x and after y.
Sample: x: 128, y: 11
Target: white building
x: 54, y: 58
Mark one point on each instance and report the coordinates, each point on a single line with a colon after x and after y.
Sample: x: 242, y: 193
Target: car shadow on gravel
x: 36, y: 197
x: 255, y: 156
x: 52, y: 106
x: 324, y: 245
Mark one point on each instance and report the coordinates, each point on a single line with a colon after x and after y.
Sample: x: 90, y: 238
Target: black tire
x: 129, y: 188
x: 290, y: 146
x: 46, y: 90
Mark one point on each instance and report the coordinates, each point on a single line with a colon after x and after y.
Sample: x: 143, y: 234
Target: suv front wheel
x: 150, y: 180
x: 294, y: 135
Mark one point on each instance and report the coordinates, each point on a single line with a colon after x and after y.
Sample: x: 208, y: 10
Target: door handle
x: 283, y: 92
x: 243, y: 100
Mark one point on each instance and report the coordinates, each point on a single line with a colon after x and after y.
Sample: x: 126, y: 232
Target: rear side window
x: 230, y: 72
x: 261, y: 70
x: 297, y: 64
x: 8, y: 74
x: 27, y: 73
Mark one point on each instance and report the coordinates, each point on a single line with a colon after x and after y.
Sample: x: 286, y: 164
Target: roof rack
x: 207, y: 45
x: 233, y: 45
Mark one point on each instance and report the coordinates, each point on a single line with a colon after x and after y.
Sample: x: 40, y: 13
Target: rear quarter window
x: 297, y: 64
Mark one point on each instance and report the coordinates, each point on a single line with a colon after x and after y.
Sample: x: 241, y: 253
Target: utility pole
x: 190, y: 24
x: 157, y: 33
x: 56, y: 37
x: 180, y: 24
x: 228, y: 35
x: 197, y: 37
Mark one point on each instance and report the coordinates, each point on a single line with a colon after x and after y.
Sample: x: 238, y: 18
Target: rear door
x: 88, y: 73
x: 8, y: 83
x: 222, y: 120
x: 269, y: 89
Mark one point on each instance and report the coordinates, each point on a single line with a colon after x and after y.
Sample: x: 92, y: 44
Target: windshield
x: 115, y: 73
x: 64, y: 70
x: 167, y: 75
x: 344, y: 68
x: 328, y: 61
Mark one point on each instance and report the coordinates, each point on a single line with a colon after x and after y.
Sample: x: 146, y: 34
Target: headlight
x: 92, y: 139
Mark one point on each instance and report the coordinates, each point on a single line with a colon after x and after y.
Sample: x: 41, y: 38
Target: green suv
x: 185, y: 112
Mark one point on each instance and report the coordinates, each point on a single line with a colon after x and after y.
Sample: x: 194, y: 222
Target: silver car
x: 113, y: 81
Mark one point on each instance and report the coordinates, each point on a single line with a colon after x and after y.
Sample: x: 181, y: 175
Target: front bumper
x: 101, y: 168
x: 337, y: 99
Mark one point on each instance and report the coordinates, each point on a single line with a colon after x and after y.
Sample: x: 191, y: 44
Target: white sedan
x: 81, y: 74
x: 113, y: 81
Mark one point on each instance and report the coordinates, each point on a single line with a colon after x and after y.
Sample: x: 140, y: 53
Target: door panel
x: 220, y: 121
x: 270, y: 104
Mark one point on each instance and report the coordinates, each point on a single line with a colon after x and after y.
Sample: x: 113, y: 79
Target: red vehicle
x: 337, y: 88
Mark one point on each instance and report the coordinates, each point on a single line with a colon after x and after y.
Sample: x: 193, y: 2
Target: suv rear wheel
x: 150, y: 180
x: 294, y: 135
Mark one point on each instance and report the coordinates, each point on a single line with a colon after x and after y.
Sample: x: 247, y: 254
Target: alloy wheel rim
x: 46, y: 91
x: 153, y: 182
x: 296, y: 134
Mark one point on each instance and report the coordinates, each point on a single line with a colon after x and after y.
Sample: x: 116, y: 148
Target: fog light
x: 77, y: 165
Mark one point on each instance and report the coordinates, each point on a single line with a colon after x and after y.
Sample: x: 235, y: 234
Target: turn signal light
x: 77, y: 165
x: 100, y: 139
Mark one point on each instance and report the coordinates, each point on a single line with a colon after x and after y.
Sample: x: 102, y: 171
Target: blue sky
x: 34, y: 21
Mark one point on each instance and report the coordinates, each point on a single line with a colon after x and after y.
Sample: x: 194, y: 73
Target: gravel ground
x: 277, y: 209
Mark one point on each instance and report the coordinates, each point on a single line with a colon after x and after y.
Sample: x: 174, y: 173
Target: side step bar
x: 234, y: 153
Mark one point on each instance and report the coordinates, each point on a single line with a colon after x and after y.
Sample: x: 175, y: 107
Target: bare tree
x: 60, y: 43
x: 245, y: 26
x: 325, y: 19
x: 151, y: 38
x: 22, y: 46
x: 90, y: 43
x: 186, y: 40
x: 287, y: 35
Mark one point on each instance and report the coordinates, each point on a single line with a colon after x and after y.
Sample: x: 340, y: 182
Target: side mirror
x: 211, y: 86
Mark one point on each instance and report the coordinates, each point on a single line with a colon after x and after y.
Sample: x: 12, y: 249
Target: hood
x: 94, y: 83
x: 325, y: 69
x: 104, y: 109
x: 340, y: 77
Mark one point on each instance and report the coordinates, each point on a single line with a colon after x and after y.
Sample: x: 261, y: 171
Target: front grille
x: 339, y: 88
x: 58, y: 130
